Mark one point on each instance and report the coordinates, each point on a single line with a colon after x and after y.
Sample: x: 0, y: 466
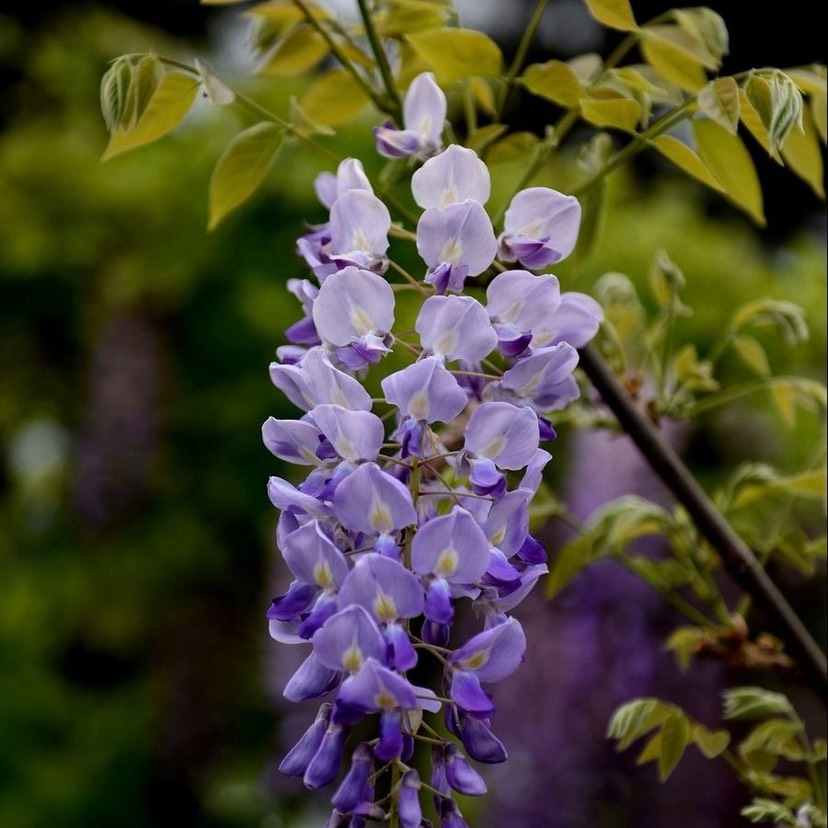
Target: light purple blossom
x: 455, y: 175
x: 455, y: 327
x: 354, y: 435
x: 425, y: 391
x: 540, y: 228
x: 424, y: 113
x: 456, y: 241
x: 350, y: 175
x: 502, y: 433
x: 370, y: 500
x: 359, y: 228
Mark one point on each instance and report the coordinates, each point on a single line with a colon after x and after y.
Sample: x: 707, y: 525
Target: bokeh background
x: 137, y: 684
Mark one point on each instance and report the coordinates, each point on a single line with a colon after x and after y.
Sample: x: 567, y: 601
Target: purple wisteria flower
x: 424, y: 113
x: 540, y: 228
x: 408, y: 514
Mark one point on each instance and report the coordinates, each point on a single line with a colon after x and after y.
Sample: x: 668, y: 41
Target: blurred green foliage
x: 135, y: 534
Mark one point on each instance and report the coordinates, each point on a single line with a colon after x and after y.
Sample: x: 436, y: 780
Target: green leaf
x: 402, y: 17
x: 784, y: 397
x: 675, y: 736
x: 752, y: 354
x: 770, y: 741
x: 572, y: 558
x: 819, y: 112
x: 677, y: 56
x: 586, y: 67
x: 483, y: 95
x: 303, y: 126
x: 768, y: 810
x: 810, y: 484
x: 754, y: 703
x: 554, y: 80
x: 719, y: 100
x: 455, y: 54
x: 620, y: 113
x: 334, y: 98
x: 691, y: 372
x: 708, y: 28
x: 636, y: 718
x: 664, y: 576
x: 167, y: 107
x: 683, y: 642
x: 730, y: 162
x: 299, y: 50
x: 617, y: 14
x: 802, y: 153
x: 785, y: 317
x: 481, y: 139
x: 711, y: 743
x: 514, y: 146
x: 777, y: 102
x: 686, y: 160
x: 242, y: 167
x: 750, y: 118
x: 115, y: 86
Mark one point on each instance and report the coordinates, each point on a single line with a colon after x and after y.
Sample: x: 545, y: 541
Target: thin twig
x: 738, y: 560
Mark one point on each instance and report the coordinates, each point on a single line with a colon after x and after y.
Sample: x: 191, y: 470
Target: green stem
x: 382, y: 62
x: 347, y: 64
x: 517, y: 62
x: 469, y: 108
x: 736, y: 392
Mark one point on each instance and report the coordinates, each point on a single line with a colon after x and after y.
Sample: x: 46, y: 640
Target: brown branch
x: 738, y: 560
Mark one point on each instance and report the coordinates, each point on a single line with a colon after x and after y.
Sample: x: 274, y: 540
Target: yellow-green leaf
x: 719, y: 100
x: 483, y: 95
x: 819, y: 112
x: 675, y: 736
x: 299, y: 50
x: 404, y: 17
x: 802, y: 153
x: 242, y: 167
x: 711, y: 743
x: 785, y: 398
x: 810, y: 484
x: 334, y: 98
x: 455, y: 54
x: 685, y: 159
x: 677, y: 56
x: 731, y: 163
x: 684, y: 642
x: 752, y: 354
x: 750, y: 118
x: 482, y: 138
x: 617, y: 14
x: 167, y: 107
x: 554, y: 80
x: 620, y: 113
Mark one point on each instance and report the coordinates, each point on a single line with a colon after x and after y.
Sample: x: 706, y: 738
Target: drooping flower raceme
x: 404, y: 522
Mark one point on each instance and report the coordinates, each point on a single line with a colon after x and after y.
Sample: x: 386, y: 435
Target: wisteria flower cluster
x: 400, y: 527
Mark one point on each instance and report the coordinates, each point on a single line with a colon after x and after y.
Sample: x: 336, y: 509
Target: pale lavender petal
x: 507, y: 524
x: 352, y: 304
x: 396, y: 143
x: 528, y: 578
x: 324, y: 186
x: 500, y: 572
x: 324, y: 766
x: 310, y: 681
x: 455, y: 327
x: 427, y: 699
x: 525, y: 301
x: 375, y: 687
x: 384, y: 587
x: 350, y: 175
x: 552, y: 396
x: 348, y: 638
x: 503, y: 433
x: 459, y: 234
x: 298, y: 758
x: 312, y: 557
x: 359, y: 223
x: 460, y: 774
x: 284, y: 495
x: 451, y: 546
x: 454, y: 175
x: 371, y: 501
x: 400, y: 652
x: 485, y: 479
x: 314, y: 381
x: 408, y: 801
x: 295, y: 441
x: 353, y: 788
x: 534, y: 471
x: 577, y: 320
x: 492, y: 654
x: 285, y: 632
x: 546, y: 366
x: 424, y: 112
x: 425, y: 391
x: 468, y: 695
x: 540, y: 227
x: 305, y: 291
x: 355, y: 435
